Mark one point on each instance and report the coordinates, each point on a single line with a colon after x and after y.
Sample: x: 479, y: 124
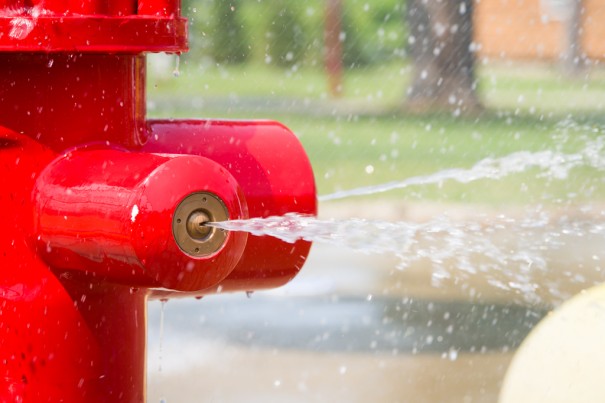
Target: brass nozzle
x: 189, y: 227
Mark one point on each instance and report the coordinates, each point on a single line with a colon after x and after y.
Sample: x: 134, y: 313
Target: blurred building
x: 539, y: 29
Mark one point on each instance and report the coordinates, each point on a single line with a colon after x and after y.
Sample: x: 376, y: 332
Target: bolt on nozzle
x: 191, y: 233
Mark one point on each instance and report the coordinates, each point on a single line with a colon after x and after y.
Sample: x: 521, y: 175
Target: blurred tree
x: 229, y: 41
x: 286, y: 39
x: 333, y: 46
x: 355, y: 42
x: 573, y: 58
x: 440, y: 47
x: 198, y: 43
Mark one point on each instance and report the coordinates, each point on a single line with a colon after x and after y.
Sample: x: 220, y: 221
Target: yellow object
x: 563, y: 358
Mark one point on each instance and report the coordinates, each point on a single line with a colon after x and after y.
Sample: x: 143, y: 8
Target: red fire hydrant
x: 102, y: 209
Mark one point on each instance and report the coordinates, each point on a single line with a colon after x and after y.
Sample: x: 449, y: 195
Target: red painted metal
x: 275, y: 176
x: 109, y: 213
x: 92, y: 26
x: 89, y: 187
x: 64, y: 99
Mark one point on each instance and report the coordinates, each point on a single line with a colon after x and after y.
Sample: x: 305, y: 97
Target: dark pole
x: 572, y: 43
x: 333, y: 46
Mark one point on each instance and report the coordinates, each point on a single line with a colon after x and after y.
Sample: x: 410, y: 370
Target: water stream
x: 161, y: 344
x: 551, y: 164
x: 509, y: 250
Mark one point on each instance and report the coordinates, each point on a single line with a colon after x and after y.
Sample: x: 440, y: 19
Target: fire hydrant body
x: 103, y: 208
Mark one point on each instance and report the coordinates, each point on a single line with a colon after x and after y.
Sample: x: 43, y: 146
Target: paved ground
x: 319, y: 341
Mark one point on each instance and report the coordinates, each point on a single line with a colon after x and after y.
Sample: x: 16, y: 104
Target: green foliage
x: 374, y: 32
x: 286, y: 39
x: 198, y: 15
x: 229, y: 40
x: 354, y: 50
x: 291, y: 32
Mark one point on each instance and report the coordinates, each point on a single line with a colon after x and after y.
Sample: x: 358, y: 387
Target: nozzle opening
x: 196, y: 225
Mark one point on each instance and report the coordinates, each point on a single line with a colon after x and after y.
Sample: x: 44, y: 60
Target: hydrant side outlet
x: 110, y: 213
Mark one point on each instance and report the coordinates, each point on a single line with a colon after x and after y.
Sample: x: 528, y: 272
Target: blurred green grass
x: 383, y: 83
x: 378, y: 142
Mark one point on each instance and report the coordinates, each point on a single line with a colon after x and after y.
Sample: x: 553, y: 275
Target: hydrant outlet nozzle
x: 189, y: 227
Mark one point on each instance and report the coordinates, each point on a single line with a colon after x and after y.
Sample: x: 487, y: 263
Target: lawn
x: 531, y: 108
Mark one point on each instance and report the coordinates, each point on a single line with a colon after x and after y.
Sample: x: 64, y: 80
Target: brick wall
x: 526, y: 29
x: 593, y: 39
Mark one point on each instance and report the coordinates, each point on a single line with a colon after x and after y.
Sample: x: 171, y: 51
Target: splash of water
x: 513, y: 248
x: 24, y: 19
x: 509, y: 252
x: 552, y: 164
x: 437, y: 239
x: 177, y: 66
x: 161, y: 348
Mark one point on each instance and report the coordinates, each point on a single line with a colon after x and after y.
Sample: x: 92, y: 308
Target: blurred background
x: 380, y: 91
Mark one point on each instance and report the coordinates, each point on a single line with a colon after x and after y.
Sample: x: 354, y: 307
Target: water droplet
x: 161, y: 341
x: 21, y: 27
x: 452, y: 354
x: 176, y: 72
x: 134, y: 213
